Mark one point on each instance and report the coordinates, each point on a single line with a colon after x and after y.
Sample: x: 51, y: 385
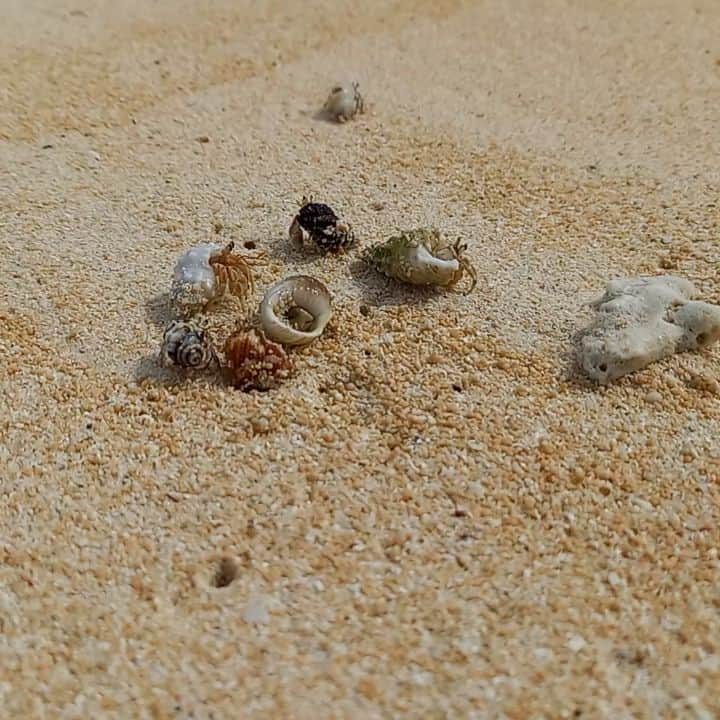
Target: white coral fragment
x: 642, y: 320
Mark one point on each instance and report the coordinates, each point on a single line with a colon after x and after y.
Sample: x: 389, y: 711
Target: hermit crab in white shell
x: 423, y: 257
x: 344, y: 102
x: 207, y: 272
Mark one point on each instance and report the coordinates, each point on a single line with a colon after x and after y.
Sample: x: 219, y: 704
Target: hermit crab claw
x: 459, y: 249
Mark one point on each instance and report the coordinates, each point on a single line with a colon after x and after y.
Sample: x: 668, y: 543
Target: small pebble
x: 654, y: 396
x: 256, y: 611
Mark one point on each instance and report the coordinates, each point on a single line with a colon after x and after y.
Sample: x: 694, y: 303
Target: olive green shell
x: 418, y: 257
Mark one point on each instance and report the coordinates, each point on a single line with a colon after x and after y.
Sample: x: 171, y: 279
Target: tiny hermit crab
x: 344, y: 102
x: 423, y: 257
x: 207, y: 272
x: 319, y: 223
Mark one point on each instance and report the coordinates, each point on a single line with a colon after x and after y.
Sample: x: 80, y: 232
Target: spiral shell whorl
x: 185, y: 345
x: 295, y: 310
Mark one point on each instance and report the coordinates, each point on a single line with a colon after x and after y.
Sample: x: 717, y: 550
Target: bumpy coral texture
x: 254, y: 362
x: 642, y: 320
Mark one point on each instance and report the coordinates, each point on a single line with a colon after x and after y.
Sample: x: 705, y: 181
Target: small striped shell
x: 254, y: 362
x: 295, y: 310
x: 185, y: 345
x: 422, y: 257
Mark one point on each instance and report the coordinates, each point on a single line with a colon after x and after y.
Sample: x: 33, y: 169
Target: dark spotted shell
x: 324, y: 227
x: 317, y: 218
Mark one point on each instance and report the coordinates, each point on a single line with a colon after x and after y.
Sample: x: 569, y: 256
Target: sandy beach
x: 437, y: 516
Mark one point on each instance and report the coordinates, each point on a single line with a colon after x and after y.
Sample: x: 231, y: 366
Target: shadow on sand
x: 158, y: 311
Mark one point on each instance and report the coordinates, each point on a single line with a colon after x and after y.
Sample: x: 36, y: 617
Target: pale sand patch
x: 435, y: 517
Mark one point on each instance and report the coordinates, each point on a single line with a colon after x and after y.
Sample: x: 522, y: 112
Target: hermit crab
x: 295, y: 310
x: 185, y: 345
x: 344, y: 102
x: 319, y: 223
x: 207, y: 272
x: 254, y: 362
x: 423, y: 257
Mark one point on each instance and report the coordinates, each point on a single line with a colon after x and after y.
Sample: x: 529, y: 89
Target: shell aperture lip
x: 295, y: 310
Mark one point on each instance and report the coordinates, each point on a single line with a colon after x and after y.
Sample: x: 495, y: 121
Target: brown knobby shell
x: 254, y: 362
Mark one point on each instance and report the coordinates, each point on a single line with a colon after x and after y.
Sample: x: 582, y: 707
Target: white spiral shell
x: 295, y: 311
x: 194, y: 282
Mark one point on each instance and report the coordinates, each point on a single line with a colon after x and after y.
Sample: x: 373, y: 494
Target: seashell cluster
x: 185, y: 345
x: 344, y: 102
x: 423, y: 257
x: 295, y: 310
x: 254, y: 362
x: 318, y: 223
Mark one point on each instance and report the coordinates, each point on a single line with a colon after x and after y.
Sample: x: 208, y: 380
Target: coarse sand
x: 436, y: 517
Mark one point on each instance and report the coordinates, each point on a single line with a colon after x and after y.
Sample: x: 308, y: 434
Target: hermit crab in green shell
x: 423, y: 257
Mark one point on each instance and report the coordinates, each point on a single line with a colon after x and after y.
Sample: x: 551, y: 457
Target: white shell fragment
x: 295, y: 310
x: 642, y: 320
x: 194, y: 282
x: 344, y: 102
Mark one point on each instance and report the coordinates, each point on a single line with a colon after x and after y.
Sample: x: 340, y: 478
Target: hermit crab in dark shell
x: 319, y: 223
x: 186, y: 345
x: 344, y: 102
x: 423, y: 257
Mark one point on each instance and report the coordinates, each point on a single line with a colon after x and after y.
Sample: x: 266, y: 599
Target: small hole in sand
x: 702, y: 338
x: 602, y: 368
x: 249, y: 244
x: 226, y: 572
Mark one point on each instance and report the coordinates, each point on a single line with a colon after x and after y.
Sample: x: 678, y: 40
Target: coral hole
x: 225, y: 573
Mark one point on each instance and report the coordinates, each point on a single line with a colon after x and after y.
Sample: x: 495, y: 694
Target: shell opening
x: 295, y: 310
